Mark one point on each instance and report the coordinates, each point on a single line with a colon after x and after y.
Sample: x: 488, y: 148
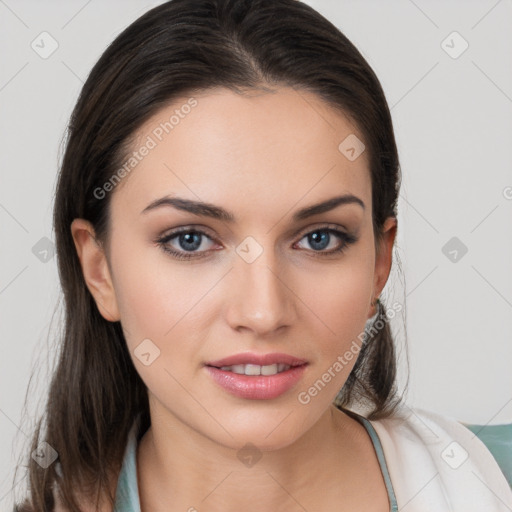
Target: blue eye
x: 321, y: 238
x: 190, y: 240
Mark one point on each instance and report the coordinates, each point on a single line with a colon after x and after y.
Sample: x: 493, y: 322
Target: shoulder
x: 435, y: 461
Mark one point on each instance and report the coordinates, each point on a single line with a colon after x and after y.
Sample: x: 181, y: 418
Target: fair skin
x: 262, y: 156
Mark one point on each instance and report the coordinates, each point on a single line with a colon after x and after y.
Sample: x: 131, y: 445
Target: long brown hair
x: 175, y: 49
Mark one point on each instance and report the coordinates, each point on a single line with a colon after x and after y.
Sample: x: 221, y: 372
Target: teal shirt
x: 127, y: 493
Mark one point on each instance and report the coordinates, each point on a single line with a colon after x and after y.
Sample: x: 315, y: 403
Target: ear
x: 95, y: 269
x: 384, y: 258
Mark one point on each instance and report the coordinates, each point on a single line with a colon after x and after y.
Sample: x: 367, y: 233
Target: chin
x: 266, y: 427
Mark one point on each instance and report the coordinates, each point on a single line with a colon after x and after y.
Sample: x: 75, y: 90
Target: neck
x: 179, y: 469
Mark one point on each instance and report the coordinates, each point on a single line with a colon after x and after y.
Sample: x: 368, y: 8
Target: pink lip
x: 260, y: 359
x: 257, y: 387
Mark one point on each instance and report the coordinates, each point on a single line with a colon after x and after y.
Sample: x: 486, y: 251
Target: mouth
x: 255, y: 376
x: 255, y: 369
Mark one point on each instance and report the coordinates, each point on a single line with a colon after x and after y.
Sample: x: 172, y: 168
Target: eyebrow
x: 216, y: 212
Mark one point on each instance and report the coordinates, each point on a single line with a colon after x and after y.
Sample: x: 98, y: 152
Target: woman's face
x: 272, y: 279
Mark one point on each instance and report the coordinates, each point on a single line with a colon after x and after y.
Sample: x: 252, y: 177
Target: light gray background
x: 452, y: 118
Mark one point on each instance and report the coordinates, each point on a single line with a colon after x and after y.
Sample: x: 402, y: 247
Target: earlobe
x: 95, y: 269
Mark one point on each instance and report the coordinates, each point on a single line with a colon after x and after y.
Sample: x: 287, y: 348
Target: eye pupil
x: 314, y: 239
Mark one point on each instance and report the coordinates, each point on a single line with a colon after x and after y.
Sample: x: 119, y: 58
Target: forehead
x: 273, y: 148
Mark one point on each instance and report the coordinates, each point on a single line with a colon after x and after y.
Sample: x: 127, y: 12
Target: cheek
x: 146, y: 291
x: 338, y: 302
x: 339, y: 298
x: 143, y: 301
x: 161, y: 301
x: 157, y: 316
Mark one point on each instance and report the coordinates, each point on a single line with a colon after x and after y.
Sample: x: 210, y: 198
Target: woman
x: 225, y: 218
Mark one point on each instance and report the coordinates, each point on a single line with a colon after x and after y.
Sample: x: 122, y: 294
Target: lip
x: 257, y: 387
x: 259, y: 359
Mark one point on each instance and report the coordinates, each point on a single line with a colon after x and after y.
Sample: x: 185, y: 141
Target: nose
x: 261, y: 299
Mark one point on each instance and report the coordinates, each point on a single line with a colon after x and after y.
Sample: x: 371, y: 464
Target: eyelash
x: 163, y: 241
